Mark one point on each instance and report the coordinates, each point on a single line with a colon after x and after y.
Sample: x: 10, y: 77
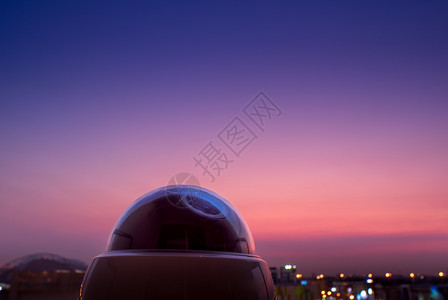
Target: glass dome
x: 182, y: 217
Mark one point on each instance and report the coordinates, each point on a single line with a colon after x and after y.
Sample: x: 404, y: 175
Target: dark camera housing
x: 179, y: 242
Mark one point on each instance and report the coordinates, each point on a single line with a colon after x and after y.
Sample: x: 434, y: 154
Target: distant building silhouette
x: 41, y: 276
x: 37, y: 285
x: 288, y: 274
x: 274, y: 274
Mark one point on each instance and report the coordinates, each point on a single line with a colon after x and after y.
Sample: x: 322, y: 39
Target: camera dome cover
x: 182, y: 217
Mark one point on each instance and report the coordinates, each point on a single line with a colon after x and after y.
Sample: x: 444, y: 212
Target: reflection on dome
x: 182, y: 217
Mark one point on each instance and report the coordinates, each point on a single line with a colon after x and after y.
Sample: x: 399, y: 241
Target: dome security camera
x: 179, y: 242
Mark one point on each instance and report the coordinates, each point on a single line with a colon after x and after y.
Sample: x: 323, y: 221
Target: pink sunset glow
x: 351, y: 177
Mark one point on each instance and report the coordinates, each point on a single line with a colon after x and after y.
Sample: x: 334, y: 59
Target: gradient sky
x: 103, y: 101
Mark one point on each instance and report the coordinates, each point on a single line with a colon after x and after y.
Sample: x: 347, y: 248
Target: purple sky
x: 103, y: 102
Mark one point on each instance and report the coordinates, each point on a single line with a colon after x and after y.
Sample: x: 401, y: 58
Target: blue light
x: 435, y: 294
x: 303, y: 282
